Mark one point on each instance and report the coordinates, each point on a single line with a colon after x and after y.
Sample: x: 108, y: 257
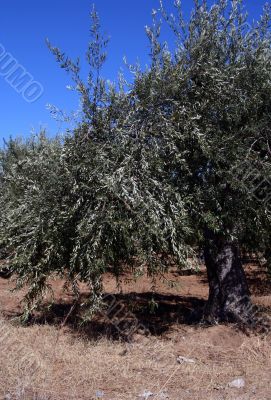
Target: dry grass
x: 44, y: 362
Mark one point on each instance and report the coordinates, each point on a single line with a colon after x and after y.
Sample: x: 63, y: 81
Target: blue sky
x: 26, y: 24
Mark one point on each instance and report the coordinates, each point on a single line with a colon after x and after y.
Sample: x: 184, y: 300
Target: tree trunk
x: 229, y: 297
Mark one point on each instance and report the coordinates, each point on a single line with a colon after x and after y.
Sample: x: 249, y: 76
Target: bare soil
x: 131, y: 350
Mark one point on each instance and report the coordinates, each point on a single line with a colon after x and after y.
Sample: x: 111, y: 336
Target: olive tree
x: 206, y: 106
x: 175, y: 162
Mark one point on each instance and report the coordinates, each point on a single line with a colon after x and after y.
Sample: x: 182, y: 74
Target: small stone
x: 146, y: 395
x: 99, y: 394
x: 238, y: 383
x: 219, y: 387
x: 181, y: 360
x: 162, y: 396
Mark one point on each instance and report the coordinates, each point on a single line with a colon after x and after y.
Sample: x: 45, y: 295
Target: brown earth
x: 132, y: 347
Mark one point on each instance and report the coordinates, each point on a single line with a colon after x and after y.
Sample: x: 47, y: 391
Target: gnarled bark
x: 229, y: 297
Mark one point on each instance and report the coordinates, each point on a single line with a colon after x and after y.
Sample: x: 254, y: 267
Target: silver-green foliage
x: 208, y: 107
x: 91, y: 202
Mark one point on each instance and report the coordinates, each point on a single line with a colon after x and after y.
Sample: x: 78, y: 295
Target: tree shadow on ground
x: 125, y: 315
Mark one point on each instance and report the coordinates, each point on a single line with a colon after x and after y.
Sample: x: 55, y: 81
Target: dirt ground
x: 131, y: 351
